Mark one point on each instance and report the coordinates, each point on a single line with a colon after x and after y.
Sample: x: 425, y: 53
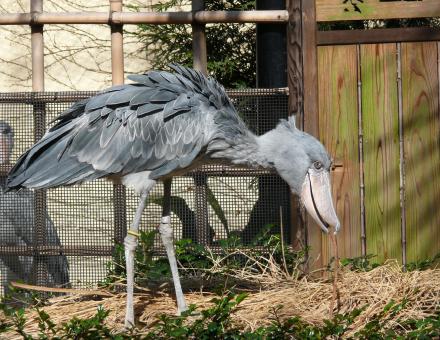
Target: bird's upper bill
x: 317, y: 199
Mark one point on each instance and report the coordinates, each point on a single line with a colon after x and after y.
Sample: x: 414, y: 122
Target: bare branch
x: 77, y: 57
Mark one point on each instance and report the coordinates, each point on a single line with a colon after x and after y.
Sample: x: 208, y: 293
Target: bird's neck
x: 245, y: 150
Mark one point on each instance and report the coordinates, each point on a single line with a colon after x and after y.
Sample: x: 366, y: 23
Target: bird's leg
x: 166, y: 233
x: 130, y: 243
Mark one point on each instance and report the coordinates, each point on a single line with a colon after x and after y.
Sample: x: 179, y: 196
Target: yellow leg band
x: 135, y: 234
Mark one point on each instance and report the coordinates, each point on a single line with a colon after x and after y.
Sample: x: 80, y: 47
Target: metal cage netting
x: 66, y: 236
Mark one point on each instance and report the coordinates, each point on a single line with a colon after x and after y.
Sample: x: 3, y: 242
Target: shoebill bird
x: 160, y: 126
x: 17, y: 222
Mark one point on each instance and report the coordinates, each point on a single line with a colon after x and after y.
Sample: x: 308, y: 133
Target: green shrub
x: 197, y: 260
x: 216, y: 322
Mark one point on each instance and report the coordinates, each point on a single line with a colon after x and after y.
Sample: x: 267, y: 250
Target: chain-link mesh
x: 65, y: 236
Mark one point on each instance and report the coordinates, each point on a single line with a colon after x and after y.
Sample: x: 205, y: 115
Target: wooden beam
x: 337, y: 10
x: 272, y: 16
x: 61, y: 290
x: 377, y: 36
x: 154, y: 18
x: 46, y: 250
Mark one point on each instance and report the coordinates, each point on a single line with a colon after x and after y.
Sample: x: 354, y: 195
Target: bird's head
x: 303, y: 162
x: 6, y: 142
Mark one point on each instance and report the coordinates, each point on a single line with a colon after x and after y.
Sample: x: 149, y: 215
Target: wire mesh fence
x: 66, y: 236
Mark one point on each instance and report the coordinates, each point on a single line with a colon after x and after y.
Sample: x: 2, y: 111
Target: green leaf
x: 215, y: 205
x: 241, y: 297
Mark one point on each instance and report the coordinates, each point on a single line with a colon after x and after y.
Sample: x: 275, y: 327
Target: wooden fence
x: 377, y: 112
x: 371, y: 96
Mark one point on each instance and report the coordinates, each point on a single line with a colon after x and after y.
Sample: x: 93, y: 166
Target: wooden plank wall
x: 359, y: 85
x: 420, y: 83
x: 338, y: 130
x: 381, y: 150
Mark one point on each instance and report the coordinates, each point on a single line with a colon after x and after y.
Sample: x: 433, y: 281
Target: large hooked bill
x: 317, y: 199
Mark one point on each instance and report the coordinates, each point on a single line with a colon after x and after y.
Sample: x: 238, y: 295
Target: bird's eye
x: 317, y: 165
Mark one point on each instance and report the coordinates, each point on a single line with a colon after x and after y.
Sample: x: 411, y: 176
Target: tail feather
x: 47, y: 164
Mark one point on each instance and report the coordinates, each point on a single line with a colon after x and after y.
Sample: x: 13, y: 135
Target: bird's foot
x: 182, y: 309
x: 128, y: 324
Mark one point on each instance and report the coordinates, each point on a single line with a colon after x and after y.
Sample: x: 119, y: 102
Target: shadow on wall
x: 17, y: 221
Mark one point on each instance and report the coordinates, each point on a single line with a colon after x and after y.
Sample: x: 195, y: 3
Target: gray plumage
x: 163, y: 123
x: 17, y: 226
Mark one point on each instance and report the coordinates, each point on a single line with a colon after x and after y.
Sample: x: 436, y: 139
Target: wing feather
x: 97, y: 102
x: 122, y: 96
x: 142, y: 79
x: 148, y: 109
x: 143, y: 97
x: 157, y: 124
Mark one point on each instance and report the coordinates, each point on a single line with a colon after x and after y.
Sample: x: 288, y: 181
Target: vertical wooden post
x: 201, y: 207
x: 294, y: 60
x: 39, y: 270
x: 200, y: 59
x: 200, y: 63
x: 295, y: 105
x: 37, y: 44
x: 117, y: 53
x: 310, y: 109
x: 310, y: 68
x: 117, y: 46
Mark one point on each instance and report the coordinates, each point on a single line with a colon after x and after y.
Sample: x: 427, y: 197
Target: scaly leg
x: 130, y: 243
x: 166, y: 233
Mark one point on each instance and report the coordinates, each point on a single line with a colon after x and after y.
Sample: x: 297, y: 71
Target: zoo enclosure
x: 43, y: 107
x: 378, y: 216
x: 85, y: 215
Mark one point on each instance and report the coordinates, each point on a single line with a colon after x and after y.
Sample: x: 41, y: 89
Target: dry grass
x: 305, y: 297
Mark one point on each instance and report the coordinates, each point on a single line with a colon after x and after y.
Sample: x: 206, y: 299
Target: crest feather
x: 288, y: 123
